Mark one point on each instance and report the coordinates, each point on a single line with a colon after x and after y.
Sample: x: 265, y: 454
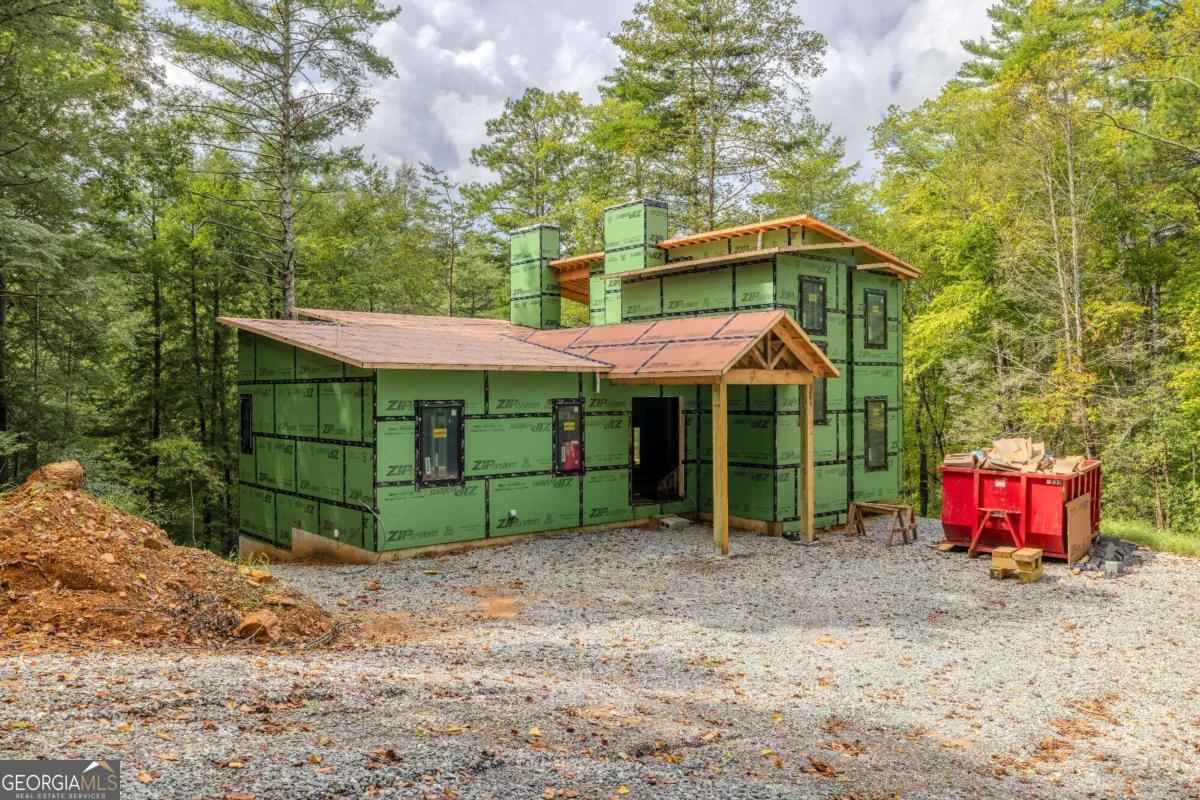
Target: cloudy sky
x: 458, y: 60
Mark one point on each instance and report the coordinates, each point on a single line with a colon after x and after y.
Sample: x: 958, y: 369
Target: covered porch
x: 760, y: 348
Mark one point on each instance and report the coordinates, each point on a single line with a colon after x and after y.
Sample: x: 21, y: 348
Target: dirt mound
x: 76, y: 571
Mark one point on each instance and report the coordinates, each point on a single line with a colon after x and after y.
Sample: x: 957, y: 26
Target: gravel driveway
x: 633, y: 664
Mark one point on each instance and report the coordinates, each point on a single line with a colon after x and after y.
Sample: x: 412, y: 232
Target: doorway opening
x: 658, y: 447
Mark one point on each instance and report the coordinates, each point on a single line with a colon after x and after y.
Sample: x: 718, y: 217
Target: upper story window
x: 812, y: 305
x: 875, y: 318
x: 568, y: 437
x: 820, y: 412
x: 439, y: 443
x: 875, y: 451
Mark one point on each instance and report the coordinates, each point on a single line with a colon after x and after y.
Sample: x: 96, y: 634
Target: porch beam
x: 720, y: 458
x: 794, y: 377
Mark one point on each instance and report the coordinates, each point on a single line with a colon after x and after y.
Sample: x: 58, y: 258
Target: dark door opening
x: 658, y: 472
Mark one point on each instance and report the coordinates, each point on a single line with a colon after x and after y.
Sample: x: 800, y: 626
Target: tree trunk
x: 286, y: 209
x: 922, y: 462
x: 156, y: 412
x: 197, y: 369
x: 5, y: 461
x: 36, y: 394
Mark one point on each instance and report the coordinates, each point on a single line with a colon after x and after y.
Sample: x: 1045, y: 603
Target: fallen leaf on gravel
x: 239, y: 796
x: 145, y: 777
x: 208, y: 725
x: 1097, y: 708
x: 315, y: 759
x: 1075, y: 728
x: 622, y: 790
x: 236, y: 764
x: 429, y: 572
x: 535, y: 732
x: 125, y: 728
x: 373, y: 587
x: 830, y: 641
x: 818, y: 767
x: 166, y: 756
x: 323, y: 770
x: 768, y: 752
x: 323, y: 741
x: 846, y: 748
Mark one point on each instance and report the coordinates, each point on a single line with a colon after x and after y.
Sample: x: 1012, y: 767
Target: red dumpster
x: 984, y: 509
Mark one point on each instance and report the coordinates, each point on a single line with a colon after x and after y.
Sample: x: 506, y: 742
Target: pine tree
x: 286, y: 78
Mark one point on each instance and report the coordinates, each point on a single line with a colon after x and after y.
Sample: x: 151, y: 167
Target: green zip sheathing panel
x: 597, y: 313
x: 501, y: 446
x: 399, y: 390
x: 534, y: 288
x: 693, y: 293
x: 612, y: 303
x: 296, y: 409
x: 527, y: 505
x: 415, y: 517
x: 533, y: 243
x: 631, y: 258
x: 543, y: 311
x: 641, y: 299
x: 395, y: 455
x: 294, y: 512
x: 642, y: 223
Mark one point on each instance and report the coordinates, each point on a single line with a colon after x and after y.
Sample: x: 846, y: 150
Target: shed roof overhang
x: 573, y: 271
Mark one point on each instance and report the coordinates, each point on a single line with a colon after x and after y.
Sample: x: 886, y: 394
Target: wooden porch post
x: 807, y: 514
x: 720, y: 457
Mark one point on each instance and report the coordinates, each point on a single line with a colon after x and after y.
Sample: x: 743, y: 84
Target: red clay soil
x: 77, y: 572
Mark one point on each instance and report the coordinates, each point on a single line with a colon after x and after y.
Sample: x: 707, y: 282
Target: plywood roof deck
x: 435, y: 345
x: 781, y: 223
x: 700, y: 349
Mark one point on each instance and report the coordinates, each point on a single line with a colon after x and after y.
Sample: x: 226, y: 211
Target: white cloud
x: 887, y: 52
x: 457, y: 61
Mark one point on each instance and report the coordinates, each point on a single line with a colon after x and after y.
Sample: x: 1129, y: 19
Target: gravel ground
x: 633, y: 664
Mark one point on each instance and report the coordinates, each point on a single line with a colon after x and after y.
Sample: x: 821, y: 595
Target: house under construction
x: 748, y: 375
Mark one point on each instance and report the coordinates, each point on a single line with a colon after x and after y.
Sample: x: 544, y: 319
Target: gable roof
x: 695, y: 347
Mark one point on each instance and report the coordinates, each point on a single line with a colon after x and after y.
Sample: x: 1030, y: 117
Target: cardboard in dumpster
x: 961, y: 460
x: 1016, y: 455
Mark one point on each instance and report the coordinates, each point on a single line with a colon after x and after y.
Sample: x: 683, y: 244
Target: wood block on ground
x: 1031, y: 575
x: 1028, y: 557
x: 1002, y: 558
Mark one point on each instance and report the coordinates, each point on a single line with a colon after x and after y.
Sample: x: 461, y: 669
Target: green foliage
x: 1049, y: 195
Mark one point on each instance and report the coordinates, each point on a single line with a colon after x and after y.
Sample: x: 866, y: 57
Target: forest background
x: 1050, y: 193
